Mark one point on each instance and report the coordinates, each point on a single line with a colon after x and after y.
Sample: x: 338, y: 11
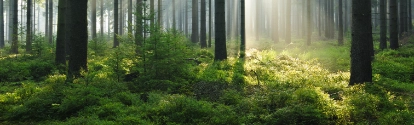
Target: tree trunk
x: 194, y: 34
x: 288, y: 21
x: 173, y: 16
x: 393, y: 24
x: 243, y: 29
x: 152, y: 13
x: 29, y: 26
x: 93, y: 19
x: 210, y: 23
x: 47, y: 19
x: 116, y: 42
x: 309, y: 27
x: 410, y: 22
x: 186, y: 18
x: 129, y: 17
x: 60, y: 58
x: 102, y: 18
x: 341, y: 25
x: 275, y: 21
x: 403, y: 17
x: 362, y: 44
x: 1, y: 25
x: 121, y: 18
x: 139, y: 27
x: 345, y: 14
x: 203, y: 31
x: 257, y: 24
x: 160, y: 12
x: 50, y: 21
x: 15, y: 42
x: 320, y: 18
x: 220, y: 52
x: 77, y: 35
x: 383, y: 25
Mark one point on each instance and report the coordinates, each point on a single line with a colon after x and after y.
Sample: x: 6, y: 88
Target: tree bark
x: 116, y: 42
x: 362, y: 44
x: 102, y: 19
x: 288, y: 21
x: 15, y: 42
x: 210, y: 22
x: 1, y: 25
x: 139, y: 27
x: 173, y: 15
x: 383, y: 25
x: 309, y: 21
x: 160, y: 13
x: 129, y: 17
x: 194, y: 34
x: 243, y: 29
x: 60, y: 58
x: 403, y: 17
x: 152, y: 13
x: 410, y: 22
x: 50, y: 21
x: 275, y: 21
x: 29, y: 26
x: 393, y: 24
x: 93, y: 19
x: 220, y: 52
x: 341, y: 25
x: 47, y: 19
x: 203, y: 32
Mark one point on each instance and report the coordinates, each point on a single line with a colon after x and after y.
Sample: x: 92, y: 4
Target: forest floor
x: 274, y: 84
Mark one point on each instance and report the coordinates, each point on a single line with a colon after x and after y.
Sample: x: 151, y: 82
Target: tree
x: 403, y: 17
x: 173, y: 15
x: 220, y: 52
x: 341, y: 25
x: 50, y: 22
x: 129, y: 17
x: 393, y: 24
x: 210, y: 23
x: 383, y: 25
x: 243, y: 29
x: 15, y: 42
x: 93, y: 19
x: 60, y: 58
x: 288, y: 21
x: 152, y: 12
x: 309, y: 20
x: 194, y: 34
x: 29, y: 26
x: 1, y: 25
x: 77, y: 35
x: 362, y: 44
x: 138, y: 24
x: 116, y: 42
x: 102, y: 18
x: 275, y: 22
x: 159, y: 12
x: 47, y: 19
x: 203, y: 31
x: 409, y: 19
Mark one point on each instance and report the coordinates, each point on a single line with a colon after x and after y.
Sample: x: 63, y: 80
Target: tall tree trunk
x: 152, y: 13
x: 47, y: 19
x: 139, y: 26
x: 210, y: 22
x: 77, y: 34
x: 362, y: 45
x: 203, y: 31
x: 341, y: 25
x: 393, y: 24
x: 160, y: 13
x: 403, y: 17
x: 129, y: 17
x: 243, y: 29
x: 257, y: 24
x: 345, y: 16
x: 116, y: 42
x: 186, y: 18
x: 288, y: 21
x: 121, y: 18
x: 220, y: 52
x: 383, y: 25
x: 60, y: 58
x: 50, y: 21
x: 320, y: 18
x: 275, y: 22
x: 309, y: 26
x: 194, y: 34
x: 410, y: 22
x: 1, y: 25
x: 102, y: 18
x: 326, y: 18
x: 15, y: 42
x: 29, y: 26
x: 173, y: 16
x: 93, y: 19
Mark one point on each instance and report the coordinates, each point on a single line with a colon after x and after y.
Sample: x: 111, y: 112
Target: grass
x: 275, y: 84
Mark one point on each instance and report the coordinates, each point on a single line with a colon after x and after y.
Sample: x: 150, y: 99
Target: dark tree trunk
x: 159, y: 12
x: 77, y: 35
x: 320, y: 18
x: 275, y: 22
x: 15, y: 42
x: 138, y: 28
x: 121, y: 18
x: 288, y: 21
x: 362, y: 44
x: 47, y: 19
x: 50, y: 21
x: 220, y: 52
x: 410, y: 22
x: 129, y: 17
x: 243, y: 29
x: 194, y: 34
x: 403, y: 17
x: 186, y: 18
x: 116, y: 42
x: 60, y: 58
x: 203, y: 31
x: 1, y: 25
x: 346, y: 16
x: 341, y: 25
x: 174, y: 19
x: 102, y: 18
x: 29, y: 26
x: 309, y: 21
x: 383, y: 25
x: 393, y: 24
x: 209, y: 23
x: 93, y: 19
x: 152, y: 13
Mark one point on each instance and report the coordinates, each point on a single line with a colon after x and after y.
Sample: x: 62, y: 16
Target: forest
x: 218, y: 62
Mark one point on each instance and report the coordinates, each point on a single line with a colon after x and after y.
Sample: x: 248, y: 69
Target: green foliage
x: 25, y: 68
